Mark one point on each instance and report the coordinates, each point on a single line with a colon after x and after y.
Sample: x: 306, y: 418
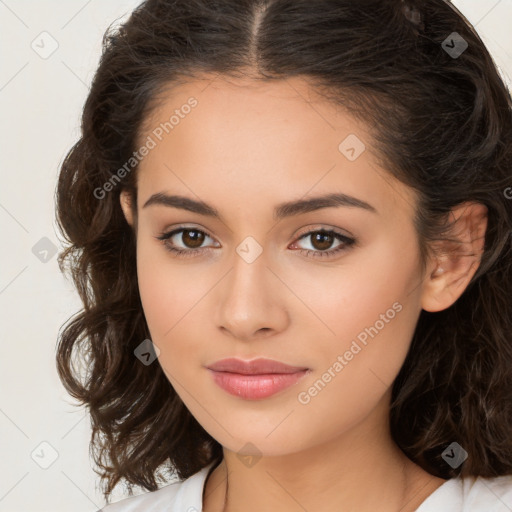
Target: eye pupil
x: 192, y: 241
x: 325, y: 240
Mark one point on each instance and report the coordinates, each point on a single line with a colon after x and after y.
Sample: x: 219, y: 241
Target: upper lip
x: 253, y: 367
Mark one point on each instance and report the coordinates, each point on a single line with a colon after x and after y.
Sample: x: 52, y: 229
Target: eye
x: 192, y: 239
x: 322, y: 240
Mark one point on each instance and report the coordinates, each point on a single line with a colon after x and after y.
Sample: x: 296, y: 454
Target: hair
x: 440, y: 124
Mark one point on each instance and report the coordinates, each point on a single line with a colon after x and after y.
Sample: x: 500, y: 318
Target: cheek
x: 364, y: 311
x: 350, y: 295
x: 174, y: 296
x: 373, y: 315
x: 168, y: 289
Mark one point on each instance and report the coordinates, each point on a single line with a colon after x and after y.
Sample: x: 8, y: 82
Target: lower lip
x: 255, y: 387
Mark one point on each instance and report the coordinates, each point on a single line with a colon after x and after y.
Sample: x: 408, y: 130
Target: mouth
x: 256, y: 379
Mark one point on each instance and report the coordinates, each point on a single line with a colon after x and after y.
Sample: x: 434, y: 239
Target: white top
x: 470, y: 494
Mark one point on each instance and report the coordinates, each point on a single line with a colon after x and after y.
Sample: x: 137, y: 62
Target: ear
x: 126, y: 201
x: 457, y: 258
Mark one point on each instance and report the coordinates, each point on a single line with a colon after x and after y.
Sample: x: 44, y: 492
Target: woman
x: 289, y: 224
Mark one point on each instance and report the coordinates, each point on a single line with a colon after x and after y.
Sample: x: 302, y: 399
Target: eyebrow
x: 281, y: 211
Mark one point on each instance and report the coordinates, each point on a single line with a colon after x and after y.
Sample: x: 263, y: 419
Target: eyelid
x: 182, y: 227
x: 324, y: 227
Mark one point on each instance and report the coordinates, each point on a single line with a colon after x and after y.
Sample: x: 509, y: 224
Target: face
x: 332, y: 287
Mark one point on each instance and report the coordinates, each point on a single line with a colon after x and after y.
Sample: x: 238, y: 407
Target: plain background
x: 44, y: 462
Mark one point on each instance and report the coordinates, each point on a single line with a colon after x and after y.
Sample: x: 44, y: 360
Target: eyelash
x: 347, y: 243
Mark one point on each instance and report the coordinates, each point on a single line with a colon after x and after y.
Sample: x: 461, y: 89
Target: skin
x: 243, y: 149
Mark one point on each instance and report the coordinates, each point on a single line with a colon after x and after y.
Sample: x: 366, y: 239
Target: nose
x: 252, y: 302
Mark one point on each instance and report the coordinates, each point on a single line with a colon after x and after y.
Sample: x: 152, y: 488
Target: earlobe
x: 125, y: 199
x: 458, y: 257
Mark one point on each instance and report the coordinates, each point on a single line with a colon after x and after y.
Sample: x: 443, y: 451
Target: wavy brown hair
x: 441, y: 124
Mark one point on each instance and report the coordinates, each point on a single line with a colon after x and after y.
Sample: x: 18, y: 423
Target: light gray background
x: 40, y: 102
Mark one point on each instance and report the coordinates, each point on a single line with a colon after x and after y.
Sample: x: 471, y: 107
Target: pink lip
x: 256, y: 379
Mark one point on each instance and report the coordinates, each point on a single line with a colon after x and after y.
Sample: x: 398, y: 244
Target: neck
x: 361, y: 470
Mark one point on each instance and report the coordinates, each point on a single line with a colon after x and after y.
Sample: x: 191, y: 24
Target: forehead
x: 277, y: 139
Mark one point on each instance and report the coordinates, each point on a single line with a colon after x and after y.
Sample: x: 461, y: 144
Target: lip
x: 255, y: 379
x: 258, y: 366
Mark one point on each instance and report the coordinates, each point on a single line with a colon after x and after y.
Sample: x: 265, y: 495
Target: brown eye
x: 185, y: 241
x: 322, y: 241
x: 189, y: 242
x: 192, y: 241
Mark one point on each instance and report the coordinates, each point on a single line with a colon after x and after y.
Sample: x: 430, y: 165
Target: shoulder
x: 471, y: 494
x: 186, y: 495
x: 488, y: 494
x: 155, y: 501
